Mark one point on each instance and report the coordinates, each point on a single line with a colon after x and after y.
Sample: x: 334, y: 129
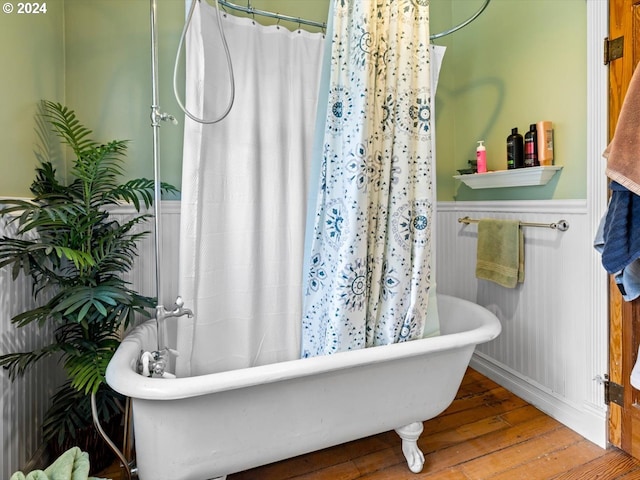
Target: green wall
x: 32, y: 66
x: 108, y: 48
x: 521, y: 61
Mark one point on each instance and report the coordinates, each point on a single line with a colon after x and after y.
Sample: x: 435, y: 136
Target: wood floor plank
x: 471, y: 376
x: 491, y: 396
x: 401, y: 472
x: 607, y: 467
x: 380, y: 460
x: 524, y: 414
x: 516, y: 455
x: 633, y: 475
x: 499, y: 405
x: 342, y: 471
x: 551, y: 464
x: 437, y: 441
x: 396, y: 472
x: 488, y: 444
x: 452, y: 474
x: 477, y: 387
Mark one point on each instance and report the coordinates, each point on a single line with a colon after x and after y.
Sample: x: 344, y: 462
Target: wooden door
x: 624, y: 317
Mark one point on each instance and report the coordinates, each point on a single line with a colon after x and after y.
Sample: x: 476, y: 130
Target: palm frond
x: 18, y: 363
x: 46, y: 182
x: 21, y: 251
x: 86, y: 369
x: 100, y: 168
x: 70, y: 411
x: 67, y: 126
x: 139, y: 189
x: 38, y: 314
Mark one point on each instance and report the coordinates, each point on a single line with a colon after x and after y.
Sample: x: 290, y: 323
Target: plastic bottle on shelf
x: 481, y: 157
x: 545, y: 142
x: 531, y: 147
x: 515, y: 150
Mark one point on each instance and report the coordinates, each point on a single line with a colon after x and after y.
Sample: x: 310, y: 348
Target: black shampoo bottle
x: 515, y: 150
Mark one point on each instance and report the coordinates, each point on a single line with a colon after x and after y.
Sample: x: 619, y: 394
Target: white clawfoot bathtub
x: 209, y: 426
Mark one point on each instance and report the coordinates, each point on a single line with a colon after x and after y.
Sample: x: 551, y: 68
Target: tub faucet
x: 162, y: 313
x: 155, y: 363
x: 161, y: 316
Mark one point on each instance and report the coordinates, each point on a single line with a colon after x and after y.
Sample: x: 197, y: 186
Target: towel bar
x: 561, y: 225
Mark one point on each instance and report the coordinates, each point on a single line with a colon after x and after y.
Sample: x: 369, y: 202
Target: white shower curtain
x: 369, y: 270
x: 243, y: 193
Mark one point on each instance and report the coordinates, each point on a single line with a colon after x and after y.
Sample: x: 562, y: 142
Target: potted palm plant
x: 76, y: 253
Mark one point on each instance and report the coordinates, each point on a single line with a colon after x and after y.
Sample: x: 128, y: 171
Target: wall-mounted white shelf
x: 517, y: 177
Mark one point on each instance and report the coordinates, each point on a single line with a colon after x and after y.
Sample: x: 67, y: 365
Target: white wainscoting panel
x: 552, y: 336
x: 23, y: 401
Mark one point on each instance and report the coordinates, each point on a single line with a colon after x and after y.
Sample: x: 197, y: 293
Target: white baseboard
x: 588, y: 421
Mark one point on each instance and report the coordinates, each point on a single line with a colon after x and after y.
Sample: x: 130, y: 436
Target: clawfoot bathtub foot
x: 409, y: 435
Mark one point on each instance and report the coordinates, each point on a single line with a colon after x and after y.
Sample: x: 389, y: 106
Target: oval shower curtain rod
x: 254, y: 11
x: 301, y: 21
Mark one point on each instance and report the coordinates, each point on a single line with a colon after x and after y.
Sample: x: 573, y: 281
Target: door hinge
x: 613, y: 49
x: 613, y: 392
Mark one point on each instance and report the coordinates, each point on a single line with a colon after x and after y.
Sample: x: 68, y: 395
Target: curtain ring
x: 251, y: 11
x: 278, y: 22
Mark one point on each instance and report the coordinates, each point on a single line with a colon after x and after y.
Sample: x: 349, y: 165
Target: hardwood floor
x: 486, y: 433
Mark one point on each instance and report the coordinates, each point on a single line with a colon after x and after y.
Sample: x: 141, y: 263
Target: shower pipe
x: 301, y: 21
x: 157, y: 116
x: 130, y: 471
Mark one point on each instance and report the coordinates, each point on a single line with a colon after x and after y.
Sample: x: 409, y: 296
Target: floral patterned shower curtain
x: 369, y: 269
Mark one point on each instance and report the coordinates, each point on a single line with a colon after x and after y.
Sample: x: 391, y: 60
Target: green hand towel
x: 500, y: 256
x: 71, y: 465
x: 35, y: 475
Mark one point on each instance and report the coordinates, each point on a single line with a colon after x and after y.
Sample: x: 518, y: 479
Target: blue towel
x: 621, y: 233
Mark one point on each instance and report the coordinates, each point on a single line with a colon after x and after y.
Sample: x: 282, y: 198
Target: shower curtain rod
x: 254, y: 11
x: 301, y: 21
